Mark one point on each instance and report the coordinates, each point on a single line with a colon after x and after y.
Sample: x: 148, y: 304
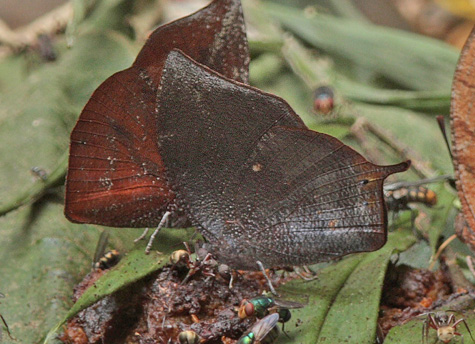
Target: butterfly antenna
x: 441, y: 122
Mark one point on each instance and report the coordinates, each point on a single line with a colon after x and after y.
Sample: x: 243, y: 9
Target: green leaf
x: 343, y: 307
x: 12, y: 74
x: 56, y: 93
x: 315, y: 71
x: 417, y: 256
x: 429, y: 101
x: 405, y: 58
x: 38, y: 188
x: 42, y: 256
x: 93, y: 15
x: 264, y: 68
x: 130, y: 269
x: 418, y: 132
x: 110, y: 15
x: 411, y: 332
x: 442, y: 217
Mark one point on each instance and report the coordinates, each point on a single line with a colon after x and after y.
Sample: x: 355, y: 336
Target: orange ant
x: 445, y: 325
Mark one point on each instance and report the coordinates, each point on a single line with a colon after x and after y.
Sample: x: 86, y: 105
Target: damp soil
x: 156, y: 309
x: 409, y: 292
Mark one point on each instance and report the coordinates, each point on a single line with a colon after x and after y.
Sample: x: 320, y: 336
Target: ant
x: 445, y: 325
x: 204, y: 262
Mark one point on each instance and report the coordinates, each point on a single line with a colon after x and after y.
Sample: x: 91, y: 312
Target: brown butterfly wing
x: 215, y: 36
x: 463, y: 128
x: 115, y: 174
x: 257, y: 184
x: 463, y: 144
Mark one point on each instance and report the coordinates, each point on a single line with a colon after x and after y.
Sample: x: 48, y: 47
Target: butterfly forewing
x: 115, y: 174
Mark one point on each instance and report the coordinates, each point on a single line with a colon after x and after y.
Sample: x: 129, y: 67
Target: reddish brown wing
x: 115, y: 176
x: 463, y: 129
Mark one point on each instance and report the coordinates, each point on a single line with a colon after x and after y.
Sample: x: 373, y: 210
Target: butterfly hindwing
x: 259, y: 184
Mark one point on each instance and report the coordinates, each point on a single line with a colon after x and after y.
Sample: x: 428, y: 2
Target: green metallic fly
x: 261, y: 306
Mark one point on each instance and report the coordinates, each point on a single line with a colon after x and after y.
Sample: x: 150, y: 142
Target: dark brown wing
x: 115, y: 174
x: 260, y: 186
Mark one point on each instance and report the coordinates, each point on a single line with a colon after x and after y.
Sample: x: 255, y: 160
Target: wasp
x: 261, y: 306
x: 445, y: 325
x: 107, y: 261
x: 263, y: 331
x: 104, y: 261
x: 400, y: 198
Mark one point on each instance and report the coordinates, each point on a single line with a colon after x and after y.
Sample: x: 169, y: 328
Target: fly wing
x: 288, y: 304
x: 264, y: 326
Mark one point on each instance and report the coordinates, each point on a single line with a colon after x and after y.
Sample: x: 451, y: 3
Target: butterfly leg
x: 142, y: 236
x: 306, y: 274
x: 414, y: 229
x: 469, y: 261
x: 157, y: 230
x: 269, y: 283
x: 226, y: 273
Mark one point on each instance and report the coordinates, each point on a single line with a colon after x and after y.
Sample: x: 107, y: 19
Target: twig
x: 419, y: 165
x: 51, y: 22
x: 440, y: 250
x: 38, y: 188
x: 459, y: 281
x: 470, y: 265
x: 358, y: 130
